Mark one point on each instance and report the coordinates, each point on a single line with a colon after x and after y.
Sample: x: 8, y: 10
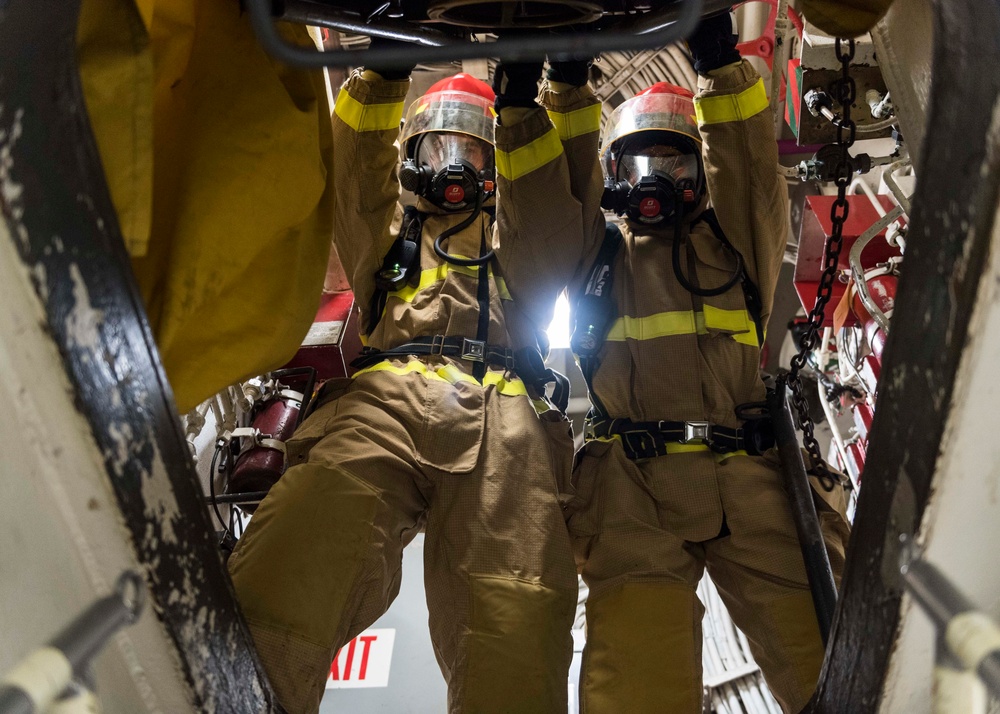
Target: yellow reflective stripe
x: 541, y: 406
x: 662, y: 324
x: 685, y: 322
x: 367, y: 117
x: 577, y: 122
x: 432, y: 276
x: 511, y: 387
x: 731, y: 107
x: 502, y: 287
x: 451, y: 374
x: 512, y: 165
x: 747, y: 338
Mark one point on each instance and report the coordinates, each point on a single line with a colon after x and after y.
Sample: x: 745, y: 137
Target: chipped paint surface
x: 10, y: 190
x: 84, y: 321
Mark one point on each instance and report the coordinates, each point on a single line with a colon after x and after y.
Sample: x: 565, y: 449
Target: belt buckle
x: 474, y: 350
x: 697, y: 431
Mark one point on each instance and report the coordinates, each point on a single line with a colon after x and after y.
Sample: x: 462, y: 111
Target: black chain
x: 844, y: 90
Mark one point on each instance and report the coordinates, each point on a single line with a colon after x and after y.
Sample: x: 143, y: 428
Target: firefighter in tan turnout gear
x: 445, y: 426
x: 669, y: 324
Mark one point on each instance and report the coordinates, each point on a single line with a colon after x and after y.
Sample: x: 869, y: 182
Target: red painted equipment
x: 326, y: 353
x: 816, y: 229
x: 881, y: 280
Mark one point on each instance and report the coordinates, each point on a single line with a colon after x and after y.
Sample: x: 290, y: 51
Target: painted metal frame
x: 950, y: 235
x: 54, y: 200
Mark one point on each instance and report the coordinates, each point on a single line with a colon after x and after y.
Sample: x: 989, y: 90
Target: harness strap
x: 526, y: 363
x: 649, y: 439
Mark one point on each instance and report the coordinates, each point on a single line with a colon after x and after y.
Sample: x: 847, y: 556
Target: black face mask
x: 655, y: 200
x: 453, y: 188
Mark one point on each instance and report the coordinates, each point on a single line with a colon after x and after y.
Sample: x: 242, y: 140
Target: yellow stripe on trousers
x: 731, y: 107
x: 367, y: 117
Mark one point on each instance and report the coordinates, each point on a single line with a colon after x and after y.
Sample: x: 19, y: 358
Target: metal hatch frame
x: 54, y: 200
x: 950, y: 235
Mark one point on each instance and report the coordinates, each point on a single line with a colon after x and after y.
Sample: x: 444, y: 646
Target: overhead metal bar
x: 303, y: 12
x: 653, y: 29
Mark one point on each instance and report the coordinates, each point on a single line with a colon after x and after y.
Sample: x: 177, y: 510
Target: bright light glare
x: 559, y: 327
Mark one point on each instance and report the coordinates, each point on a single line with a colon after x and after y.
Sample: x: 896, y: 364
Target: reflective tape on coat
x: 512, y: 165
x: 736, y: 324
x: 367, y: 117
x: 578, y: 122
x: 731, y: 107
x: 433, y: 276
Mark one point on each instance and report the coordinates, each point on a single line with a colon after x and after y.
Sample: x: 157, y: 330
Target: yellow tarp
x: 217, y: 161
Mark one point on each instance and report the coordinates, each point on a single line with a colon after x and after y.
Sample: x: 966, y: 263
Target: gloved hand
x: 394, y: 70
x: 516, y: 84
x: 713, y: 42
x: 569, y: 71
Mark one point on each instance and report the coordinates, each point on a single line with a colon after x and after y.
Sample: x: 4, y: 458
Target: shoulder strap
x: 400, y: 265
x: 594, y: 310
x: 751, y: 294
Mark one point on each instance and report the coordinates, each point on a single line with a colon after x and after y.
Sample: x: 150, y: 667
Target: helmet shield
x: 657, y: 160
x: 447, y: 111
x: 437, y: 150
x: 657, y: 112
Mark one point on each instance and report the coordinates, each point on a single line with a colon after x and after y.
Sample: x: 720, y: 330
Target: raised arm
x: 548, y: 206
x: 741, y: 157
x: 366, y: 120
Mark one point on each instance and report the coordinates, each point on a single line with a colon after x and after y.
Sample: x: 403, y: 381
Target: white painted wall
x: 62, y: 542
x: 961, y: 527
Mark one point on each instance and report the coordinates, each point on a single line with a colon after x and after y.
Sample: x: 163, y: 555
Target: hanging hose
x: 458, y: 227
x: 676, y: 259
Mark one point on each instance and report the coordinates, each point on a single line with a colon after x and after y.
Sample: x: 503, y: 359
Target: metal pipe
x: 69, y: 654
x: 858, y: 271
x: 238, y: 498
x: 824, y: 400
x: 973, y: 637
x: 859, y: 128
x: 901, y: 198
x: 654, y: 29
x: 303, y: 12
x: 799, y: 490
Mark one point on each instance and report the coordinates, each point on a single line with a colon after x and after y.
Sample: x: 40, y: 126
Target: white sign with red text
x: 364, y: 661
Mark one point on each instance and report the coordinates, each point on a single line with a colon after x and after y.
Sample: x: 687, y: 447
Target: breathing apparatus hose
x: 454, y: 259
x: 676, y: 259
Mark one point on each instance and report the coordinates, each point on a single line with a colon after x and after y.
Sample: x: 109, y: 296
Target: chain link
x: 845, y: 91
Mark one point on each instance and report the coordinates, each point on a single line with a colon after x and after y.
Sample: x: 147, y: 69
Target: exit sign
x: 364, y: 661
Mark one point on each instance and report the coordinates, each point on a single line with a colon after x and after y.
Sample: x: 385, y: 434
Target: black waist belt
x: 526, y: 363
x: 647, y: 439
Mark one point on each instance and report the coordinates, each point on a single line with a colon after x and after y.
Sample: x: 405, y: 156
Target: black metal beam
x: 947, y: 250
x: 666, y: 24
x: 56, y: 206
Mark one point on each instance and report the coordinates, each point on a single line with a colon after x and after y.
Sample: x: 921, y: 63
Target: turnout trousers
x: 644, y: 639
x: 405, y: 445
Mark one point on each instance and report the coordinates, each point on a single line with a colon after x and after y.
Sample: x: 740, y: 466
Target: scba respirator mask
x: 450, y: 170
x: 653, y: 184
x: 447, y: 144
x: 651, y: 157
